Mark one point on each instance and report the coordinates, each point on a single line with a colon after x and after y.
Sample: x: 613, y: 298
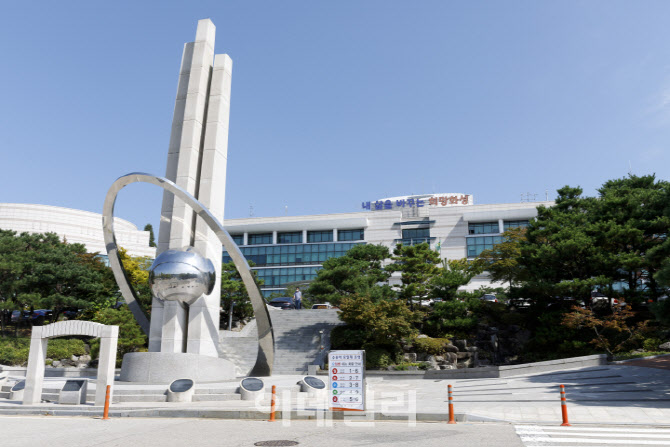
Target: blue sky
x: 334, y: 103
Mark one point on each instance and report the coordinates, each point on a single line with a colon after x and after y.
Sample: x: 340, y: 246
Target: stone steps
x: 297, y: 341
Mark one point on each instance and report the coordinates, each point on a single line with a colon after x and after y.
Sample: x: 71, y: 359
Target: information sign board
x: 346, y: 371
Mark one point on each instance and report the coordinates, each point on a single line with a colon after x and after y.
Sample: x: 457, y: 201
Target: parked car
x: 284, y: 303
x: 36, y: 317
x: 519, y: 303
x: 323, y: 306
x: 489, y: 298
x: 427, y: 302
x: 599, y: 299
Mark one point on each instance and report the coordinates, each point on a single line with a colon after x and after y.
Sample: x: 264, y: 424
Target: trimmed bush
x: 651, y: 344
x: 377, y: 358
x: 64, y: 348
x: 131, y: 337
x: 432, y: 346
x: 14, y: 351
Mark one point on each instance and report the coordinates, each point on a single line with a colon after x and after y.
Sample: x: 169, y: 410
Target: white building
x: 292, y: 249
x: 75, y: 226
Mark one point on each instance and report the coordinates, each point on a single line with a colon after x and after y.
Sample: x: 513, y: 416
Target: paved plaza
x: 610, y: 394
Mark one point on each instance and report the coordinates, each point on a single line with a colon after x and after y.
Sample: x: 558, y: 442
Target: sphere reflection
x: 181, y: 275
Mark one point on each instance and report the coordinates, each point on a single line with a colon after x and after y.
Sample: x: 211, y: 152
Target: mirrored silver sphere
x: 181, y: 275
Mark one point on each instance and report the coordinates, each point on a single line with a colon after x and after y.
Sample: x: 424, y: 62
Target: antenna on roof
x: 251, y: 210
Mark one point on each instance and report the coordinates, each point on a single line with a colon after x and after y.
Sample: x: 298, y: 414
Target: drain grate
x: 280, y: 442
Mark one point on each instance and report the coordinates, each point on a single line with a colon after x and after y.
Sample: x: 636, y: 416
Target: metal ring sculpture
x: 265, y: 358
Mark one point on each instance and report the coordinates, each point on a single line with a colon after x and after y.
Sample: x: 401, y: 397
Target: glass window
x: 476, y: 245
x: 238, y: 238
x: 260, y: 238
x: 320, y: 236
x: 350, y: 235
x: 416, y: 233
x: 515, y: 224
x: 293, y: 237
x: 483, y: 228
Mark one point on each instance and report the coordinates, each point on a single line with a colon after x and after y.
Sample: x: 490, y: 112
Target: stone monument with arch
x: 185, y: 276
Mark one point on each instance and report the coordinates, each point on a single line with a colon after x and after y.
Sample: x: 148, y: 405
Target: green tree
x: 40, y: 271
x: 150, y: 229
x: 632, y: 223
x: 131, y: 337
x: 233, y: 291
x: 587, y: 243
x: 359, y: 272
x: 452, y: 275
x: 417, y: 264
x: 502, y: 261
x: 384, y: 322
x: 560, y: 255
x: 137, y: 270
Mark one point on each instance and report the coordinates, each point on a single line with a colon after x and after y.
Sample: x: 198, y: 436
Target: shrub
x: 64, y: 348
x: 377, y: 358
x: 651, y: 344
x: 131, y: 337
x: 453, y: 316
x: 432, y: 346
x: 347, y: 337
x: 14, y: 351
x: 382, y: 356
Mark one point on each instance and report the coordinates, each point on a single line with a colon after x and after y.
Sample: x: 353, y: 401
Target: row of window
x: 492, y: 227
x: 295, y: 237
x: 282, y: 276
x: 515, y: 224
x: 476, y: 245
x: 292, y: 254
x: 415, y: 233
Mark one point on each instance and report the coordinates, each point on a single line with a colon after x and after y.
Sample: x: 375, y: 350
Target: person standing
x: 297, y: 298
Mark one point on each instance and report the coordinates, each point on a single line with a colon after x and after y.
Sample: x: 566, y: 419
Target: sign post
x: 346, y: 371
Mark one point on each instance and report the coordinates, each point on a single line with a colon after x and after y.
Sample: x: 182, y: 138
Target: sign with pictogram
x: 346, y: 371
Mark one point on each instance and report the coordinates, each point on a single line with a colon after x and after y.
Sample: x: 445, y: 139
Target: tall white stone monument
x: 185, y: 276
x: 197, y: 158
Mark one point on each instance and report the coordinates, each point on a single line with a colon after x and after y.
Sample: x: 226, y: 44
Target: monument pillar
x: 197, y: 158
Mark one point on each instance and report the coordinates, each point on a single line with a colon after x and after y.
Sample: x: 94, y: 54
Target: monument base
x: 164, y: 367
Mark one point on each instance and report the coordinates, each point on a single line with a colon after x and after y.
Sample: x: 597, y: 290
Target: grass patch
x: 637, y: 355
x: 14, y: 350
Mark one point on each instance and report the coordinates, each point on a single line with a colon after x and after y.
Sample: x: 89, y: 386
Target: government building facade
x: 290, y: 250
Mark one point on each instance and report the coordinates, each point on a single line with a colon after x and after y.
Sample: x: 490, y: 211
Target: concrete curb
x: 620, y: 362
x: 302, y: 415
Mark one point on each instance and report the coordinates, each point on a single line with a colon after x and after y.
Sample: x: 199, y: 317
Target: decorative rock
x: 451, y: 357
x: 410, y: 357
x: 68, y: 362
x: 665, y: 346
x: 422, y: 336
x: 433, y: 362
x: 56, y: 363
x: 439, y: 358
x: 451, y: 348
x: 74, y: 358
x: 463, y: 355
x: 471, y: 349
x: 461, y: 344
x: 421, y: 357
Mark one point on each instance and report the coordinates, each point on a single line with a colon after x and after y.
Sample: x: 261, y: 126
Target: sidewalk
x: 609, y: 394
